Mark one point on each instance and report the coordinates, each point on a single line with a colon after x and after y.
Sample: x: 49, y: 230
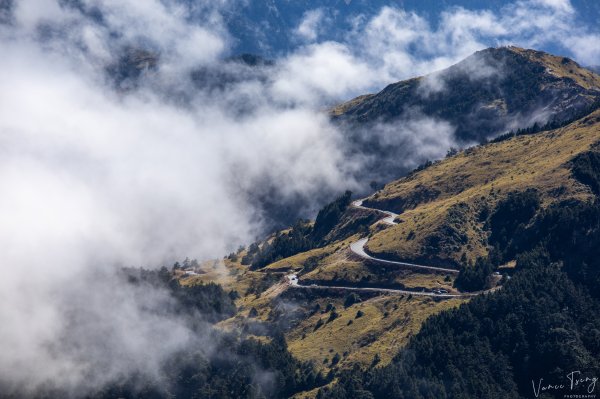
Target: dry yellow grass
x: 387, y: 324
x: 296, y: 262
x: 480, y: 177
x: 477, y: 178
x: 345, y: 266
x: 562, y: 67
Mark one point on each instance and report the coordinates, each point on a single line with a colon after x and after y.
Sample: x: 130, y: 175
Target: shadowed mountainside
x: 490, y: 92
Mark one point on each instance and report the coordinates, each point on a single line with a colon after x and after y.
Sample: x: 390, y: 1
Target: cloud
x: 475, y: 68
x: 397, y: 147
x: 320, y: 73
x: 308, y: 29
x: 585, y: 47
x: 558, y: 5
x: 397, y: 44
x: 96, y: 178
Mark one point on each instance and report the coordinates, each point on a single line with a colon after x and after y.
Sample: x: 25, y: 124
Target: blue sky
x: 270, y: 28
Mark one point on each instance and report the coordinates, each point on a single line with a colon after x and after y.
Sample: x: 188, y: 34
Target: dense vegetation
x: 543, y: 324
x: 586, y: 168
x: 474, y: 277
x: 237, y: 366
x: 240, y: 368
x: 218, y: 365
x: 507, y: 224
x: 302, y: 237
x: 207, y: 300
x: 330, y: 215
x: 512, y: 214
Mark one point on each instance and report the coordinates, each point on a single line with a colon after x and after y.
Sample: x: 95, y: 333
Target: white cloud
x: 322, y: 72
x: 95, y: 179
x: 308, y: 29
x: 559, y: 5
x: 585, y: 47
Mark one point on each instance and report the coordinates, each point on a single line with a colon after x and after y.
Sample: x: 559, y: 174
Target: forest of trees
x: 301, y: 237
x: 241, y: 368
x: 544, y: 323
x: 238, y: 366
x: 506, y: 224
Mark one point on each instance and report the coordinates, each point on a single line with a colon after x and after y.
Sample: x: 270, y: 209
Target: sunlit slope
x: 443, y: 207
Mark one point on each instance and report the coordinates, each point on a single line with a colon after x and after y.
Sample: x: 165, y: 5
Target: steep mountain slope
x: 535, y: 198
x: 444, y: 208
x: 481, y: 210
x: 490, y: 92
x: 450, y: 213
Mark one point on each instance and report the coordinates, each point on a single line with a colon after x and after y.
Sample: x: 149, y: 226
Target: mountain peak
x: 488, y: 93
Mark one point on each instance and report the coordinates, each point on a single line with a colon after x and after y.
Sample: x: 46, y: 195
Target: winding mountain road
x: 389, y: 219
x: 294, y: 283
x: 358, y: 248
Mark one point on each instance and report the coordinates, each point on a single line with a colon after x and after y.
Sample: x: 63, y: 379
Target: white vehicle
x: 292, y: 279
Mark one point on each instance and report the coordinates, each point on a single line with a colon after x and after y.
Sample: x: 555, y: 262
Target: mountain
x: 381, y: 303
x: 528, y: 207
x: 471, y: 276
x: 488, y: 93
x: 445, y: 207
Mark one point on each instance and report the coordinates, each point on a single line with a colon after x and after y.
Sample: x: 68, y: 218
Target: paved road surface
x: 358, y: 248
x: 374, y: 289
x: 389, y: 219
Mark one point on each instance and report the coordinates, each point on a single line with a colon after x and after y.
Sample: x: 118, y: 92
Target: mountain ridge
x: 483, y: 211
x: 490, y: 92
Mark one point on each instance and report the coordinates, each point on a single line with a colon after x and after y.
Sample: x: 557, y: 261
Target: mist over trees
x: 301, y: 237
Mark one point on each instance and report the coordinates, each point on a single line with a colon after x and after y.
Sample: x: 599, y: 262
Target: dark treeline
x: 302, y: 236
x: 586, y: 169
x: 236, y: 366
x: 217, y: 364
x: 544, y: 323
x: 505, y: 223
x: 209, y: 300
x: 239, y: 368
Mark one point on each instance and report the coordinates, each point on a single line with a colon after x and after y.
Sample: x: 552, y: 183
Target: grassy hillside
x: 541, y: 326
x: 491, y: 200
x: 446, y: 212
x: 445, y: 207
